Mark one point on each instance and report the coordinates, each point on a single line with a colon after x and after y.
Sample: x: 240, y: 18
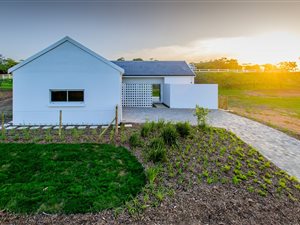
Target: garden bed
x: 203, y: 175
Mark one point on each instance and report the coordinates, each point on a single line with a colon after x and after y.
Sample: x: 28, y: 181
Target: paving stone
x: 11, y: 128
x: 46, y: 127
x: 34, y: 128
x: 70, y: 127
x: 22, y: 128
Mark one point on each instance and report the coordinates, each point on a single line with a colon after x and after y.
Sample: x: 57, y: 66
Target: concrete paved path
x: 281, y: 149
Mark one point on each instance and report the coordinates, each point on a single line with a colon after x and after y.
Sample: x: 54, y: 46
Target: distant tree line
x: 233, y: 64
x: 5, y: 64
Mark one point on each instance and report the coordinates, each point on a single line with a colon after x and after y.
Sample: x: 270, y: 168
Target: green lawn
x: 263, y: 100
x: 6, y: 84
x: 271, y: 98
x: 67, y: 178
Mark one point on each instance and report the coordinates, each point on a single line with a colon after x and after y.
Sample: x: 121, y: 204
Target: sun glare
x: 266, y: 48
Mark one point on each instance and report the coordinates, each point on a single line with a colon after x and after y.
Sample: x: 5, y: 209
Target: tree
x: 255, y: 67
x: 222, y: 63
x: 270, y: 67
x: 137, y: 59
x: 121, y: 59
x: 288, y: 66
x: 6, y: 63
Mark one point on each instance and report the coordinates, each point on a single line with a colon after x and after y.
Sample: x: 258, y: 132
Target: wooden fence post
x: 2, y: 123
x: 60, y: 123
x: 116, y: 122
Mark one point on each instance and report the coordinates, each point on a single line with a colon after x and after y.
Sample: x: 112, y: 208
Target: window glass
x: 58, y: 96
x: 75, y: 96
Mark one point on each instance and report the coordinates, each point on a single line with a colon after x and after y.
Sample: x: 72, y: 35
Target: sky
x: 252, y: 31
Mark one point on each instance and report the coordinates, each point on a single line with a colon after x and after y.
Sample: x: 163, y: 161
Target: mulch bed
x: 190, y: 196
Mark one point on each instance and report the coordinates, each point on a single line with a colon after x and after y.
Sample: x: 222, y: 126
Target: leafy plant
x: 262, y: 193
x: 146, y: 129
x: 169, y: 134
x: 157, y: 155
x: 122, y: 133
x: 135, y: 140
x: 226, y: 168
x: 235, y: 180
x: 152, y: 173
x: 156, y: 151
x: 201, y: 114
x: 183, y: 129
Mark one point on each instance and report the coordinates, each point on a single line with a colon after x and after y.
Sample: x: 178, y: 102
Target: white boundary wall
x: 190, y: 95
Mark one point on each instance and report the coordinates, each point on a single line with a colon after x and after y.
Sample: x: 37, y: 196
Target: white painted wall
x: 166, y: 98
x: 66, y: 67
x: 190, y: 95
x: 147, y: 80
x: 179, y: 80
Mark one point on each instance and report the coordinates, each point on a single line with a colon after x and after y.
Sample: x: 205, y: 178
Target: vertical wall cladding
x: 136, y: 95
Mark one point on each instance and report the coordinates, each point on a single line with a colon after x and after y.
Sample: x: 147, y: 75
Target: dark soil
x: 210, y: 177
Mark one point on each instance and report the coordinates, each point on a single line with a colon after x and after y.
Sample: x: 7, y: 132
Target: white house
x: 70, y: 77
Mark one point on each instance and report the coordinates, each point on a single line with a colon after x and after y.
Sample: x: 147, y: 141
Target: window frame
x: 66, y: 102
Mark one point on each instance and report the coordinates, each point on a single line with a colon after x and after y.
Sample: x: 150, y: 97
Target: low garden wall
x: 190, y: 95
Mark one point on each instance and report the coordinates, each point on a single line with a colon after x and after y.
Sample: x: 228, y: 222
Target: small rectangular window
x: 75, y: 96
x: 67, y: 95
x: 58, y: 96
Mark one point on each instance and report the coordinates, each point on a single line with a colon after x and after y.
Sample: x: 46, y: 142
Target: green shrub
x: 157, y: 154
x: 183, y: 129
x: 160, y: 124
x: 147, y: 128
x: 135, y: 140
x: 169, y: 134
x: 157, y: 143
x: 156, y: 151
x: 152, y: 173
x: 201, y: 114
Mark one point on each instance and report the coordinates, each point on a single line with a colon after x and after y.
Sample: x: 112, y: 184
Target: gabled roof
x: 58, y: 43
x: 155, y: 68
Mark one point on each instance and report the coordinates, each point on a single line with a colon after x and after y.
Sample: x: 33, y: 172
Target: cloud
x: 264, y: 48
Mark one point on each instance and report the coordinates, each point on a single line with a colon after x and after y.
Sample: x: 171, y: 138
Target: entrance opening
x: 156, y: 95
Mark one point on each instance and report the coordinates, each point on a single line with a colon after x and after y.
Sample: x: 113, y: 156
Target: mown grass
x: 6, y: 84
x: 67, y: 178
x: 251, y: 81
x: 270, y: 98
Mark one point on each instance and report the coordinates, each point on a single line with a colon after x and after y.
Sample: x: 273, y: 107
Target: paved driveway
x: 281, y: 149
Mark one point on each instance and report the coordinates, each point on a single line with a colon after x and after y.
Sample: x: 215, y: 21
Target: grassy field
x: 67, y: 178
x: 6, y: 84
x: 271, y: 98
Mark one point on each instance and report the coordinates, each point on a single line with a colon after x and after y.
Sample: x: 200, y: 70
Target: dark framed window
x: 58, y: 96
x: 67, y: 95
x: 75, y: 96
